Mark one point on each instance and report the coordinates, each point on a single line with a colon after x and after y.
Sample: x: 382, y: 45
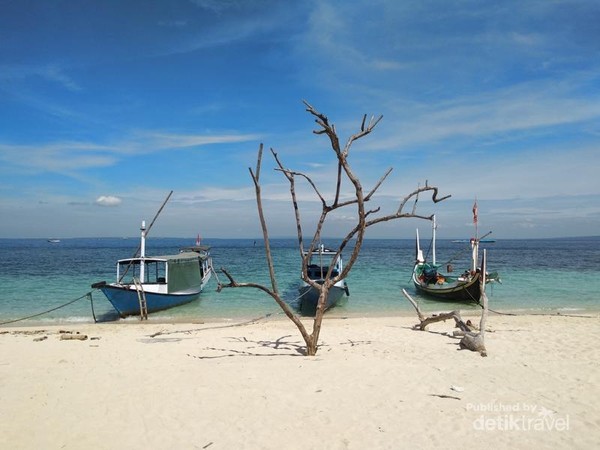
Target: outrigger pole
x: 145, y: 232
x: 157, y: 214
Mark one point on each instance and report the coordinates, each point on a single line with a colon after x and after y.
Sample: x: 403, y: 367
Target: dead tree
x: 366, y: 219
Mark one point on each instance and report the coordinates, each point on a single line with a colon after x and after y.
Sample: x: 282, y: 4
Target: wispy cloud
x: 49, y: 72
x: 551, y: 172
x: 526, y: 107
x: 173, y: 23
x: 65, y: 157
x: 57, y: 157
x: 164, y: 141
x: 270, y: 191
x: 56, y: 74
x: 217, y: 6
x: 214, y: 193
x: 234, y: 21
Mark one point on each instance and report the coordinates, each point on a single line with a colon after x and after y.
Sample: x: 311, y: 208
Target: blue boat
x: 147, y: 284
x: 317, y: 268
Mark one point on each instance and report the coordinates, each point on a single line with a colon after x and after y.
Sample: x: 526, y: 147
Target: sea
x: 44, y: 282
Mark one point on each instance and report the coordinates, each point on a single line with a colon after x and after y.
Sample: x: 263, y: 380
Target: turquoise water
x: 542, y: 275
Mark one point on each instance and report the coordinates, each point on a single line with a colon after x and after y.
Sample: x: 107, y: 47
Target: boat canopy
x: 181, y: 271
x: 184, y: 273
x: 201, y: 250
x: 320, y: 261
x: 166, y: 258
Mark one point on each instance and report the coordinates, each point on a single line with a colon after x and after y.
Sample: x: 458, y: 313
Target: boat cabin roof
x: 324, y: 256
x: 202, y: 250
x: 183, y: 256
x: 324, y: 251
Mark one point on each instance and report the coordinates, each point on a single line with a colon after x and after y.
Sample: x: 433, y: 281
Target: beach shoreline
x: 375, y: 383
x: 339, y: 313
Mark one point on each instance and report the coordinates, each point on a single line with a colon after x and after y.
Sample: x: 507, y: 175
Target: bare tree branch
x: 379, y: 183
x: 290, y: 174
x: 263, y: 222
x: 363, y: 132
x: 415, y: 194
x: 356, y: 233
x: 338, y: 186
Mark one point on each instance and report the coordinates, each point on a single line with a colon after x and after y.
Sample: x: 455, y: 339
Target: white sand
x: 375, y: 384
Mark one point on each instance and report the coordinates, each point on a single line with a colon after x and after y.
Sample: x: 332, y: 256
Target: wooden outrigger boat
x: 465, y: 287
x: 320, y: 262
x: 147, y: 284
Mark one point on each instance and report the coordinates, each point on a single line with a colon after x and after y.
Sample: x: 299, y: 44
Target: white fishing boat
x: 147, y: 284
x: 321, y: 261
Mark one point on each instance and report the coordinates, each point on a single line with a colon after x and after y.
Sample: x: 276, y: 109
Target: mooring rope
x: 87, y: 295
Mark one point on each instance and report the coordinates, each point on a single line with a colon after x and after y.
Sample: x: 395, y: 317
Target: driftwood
x: 71, y: 337
x: 473, y: 339
x: 425, y: 321
x: 465, y: 327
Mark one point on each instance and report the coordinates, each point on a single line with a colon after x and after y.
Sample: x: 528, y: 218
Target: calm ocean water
x: 543, y: 275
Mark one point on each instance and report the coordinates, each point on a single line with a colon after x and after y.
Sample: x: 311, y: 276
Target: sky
x: 107, y: 106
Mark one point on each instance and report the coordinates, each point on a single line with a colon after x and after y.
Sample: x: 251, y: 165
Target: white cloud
x: 108, y: 200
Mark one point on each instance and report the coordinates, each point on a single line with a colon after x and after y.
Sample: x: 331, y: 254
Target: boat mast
x: 475, y: 240
x: 475, y: 253
x: 475, y: 218
x: 321, y: 249
x: 144, y: 236
x: 434, y: 227
x: 419, y: 252
x: 142, y: 251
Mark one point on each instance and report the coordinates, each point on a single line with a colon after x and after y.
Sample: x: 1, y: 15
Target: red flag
x: 198, y: 240
x: 475, y: 212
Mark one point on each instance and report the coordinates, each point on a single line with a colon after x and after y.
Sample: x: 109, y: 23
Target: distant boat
x: 54, y: 241
x: 318, y: 266
x: 464, y: 287
x: 147, y: 284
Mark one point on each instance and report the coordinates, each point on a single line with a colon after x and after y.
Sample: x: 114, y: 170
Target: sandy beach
x: 375, y: 383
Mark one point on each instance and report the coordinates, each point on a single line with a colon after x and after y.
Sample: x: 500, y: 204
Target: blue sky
x: 106, y: 106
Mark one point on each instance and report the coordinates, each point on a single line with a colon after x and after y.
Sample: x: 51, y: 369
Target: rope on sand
x: 238, y: 324
x: 88, y: 295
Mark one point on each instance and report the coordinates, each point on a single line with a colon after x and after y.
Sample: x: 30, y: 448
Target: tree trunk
x: 311, y: 346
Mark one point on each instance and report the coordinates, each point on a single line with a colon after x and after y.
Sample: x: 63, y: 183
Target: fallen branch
x: 465, y: 327
x: 473, y: 339
x: 240, y: 324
